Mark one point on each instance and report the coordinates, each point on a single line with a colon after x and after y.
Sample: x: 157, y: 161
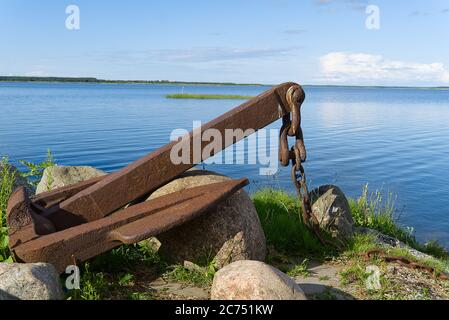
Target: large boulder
x: 254, y: 280
x: 32, y: 281
x: 229, y: 233
x: 60, y: 176
x: 331, y: 208
x: 19, y: 181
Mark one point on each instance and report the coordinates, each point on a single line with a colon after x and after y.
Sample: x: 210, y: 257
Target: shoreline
x: 88, y: 80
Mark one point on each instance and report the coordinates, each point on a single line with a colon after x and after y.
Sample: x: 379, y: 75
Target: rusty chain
x: 381, y: 254
x: 296, y: 155
x: 291, y: 127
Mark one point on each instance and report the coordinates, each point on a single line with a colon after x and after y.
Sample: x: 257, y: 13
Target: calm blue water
x: 394, y: 139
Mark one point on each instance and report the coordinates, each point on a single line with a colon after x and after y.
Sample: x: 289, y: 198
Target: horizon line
x: 99, y: 80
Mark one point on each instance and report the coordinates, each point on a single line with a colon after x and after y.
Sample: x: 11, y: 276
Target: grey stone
x: 254, y: 280
x: 32, y: 281
x: 229, y: 233
x: 60, y: 176
x: 193, y: 267
x: 331, y: 208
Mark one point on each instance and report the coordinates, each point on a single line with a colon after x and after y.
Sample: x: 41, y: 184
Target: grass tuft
x: 94, y: 286
x: 360, y: 243
x: 201, y: 277
x: 300, y: 269
x: 200, y: 274
x: 35, y: 171
x: 372, y: 211
x: 7, y: 179
x: 280, y: 216
x: 112, y: 275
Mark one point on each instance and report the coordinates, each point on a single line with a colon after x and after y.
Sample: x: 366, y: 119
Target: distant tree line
x: 95, y: 80
x: 46, y: 79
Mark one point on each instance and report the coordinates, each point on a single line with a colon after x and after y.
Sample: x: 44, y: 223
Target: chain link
x: 291, y: 127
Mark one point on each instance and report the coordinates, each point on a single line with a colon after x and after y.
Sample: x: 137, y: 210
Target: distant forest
x: 95, y: 80
x: 46, y: 79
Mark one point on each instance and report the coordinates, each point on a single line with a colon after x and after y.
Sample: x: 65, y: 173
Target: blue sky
x: 263, y: 41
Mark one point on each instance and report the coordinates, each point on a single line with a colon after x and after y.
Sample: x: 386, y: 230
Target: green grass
x: 207, y: 96
x: 200, y: 274
x: 114, y: 274
x: 439, y: 265
x: 299, y: 269
x: 279, y: 213
x: 359, y: 243
x: 355, y: 272
x: 35, y: 171
x: 7, y: 178
x: 117, y: 274
x: 280, y: 216
x: 374, y: 211
x: 201, y: 277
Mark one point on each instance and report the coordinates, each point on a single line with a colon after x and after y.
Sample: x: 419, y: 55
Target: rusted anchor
x: 83, y: 220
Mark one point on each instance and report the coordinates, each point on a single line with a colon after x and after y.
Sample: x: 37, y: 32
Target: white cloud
x: 369, y: 68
